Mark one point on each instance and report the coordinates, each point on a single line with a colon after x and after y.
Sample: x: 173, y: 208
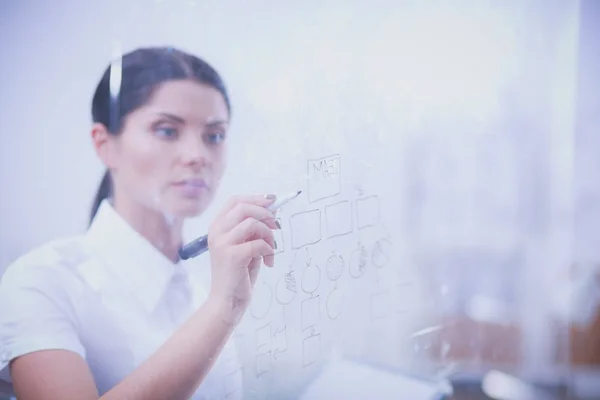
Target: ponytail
x: 104, y: 192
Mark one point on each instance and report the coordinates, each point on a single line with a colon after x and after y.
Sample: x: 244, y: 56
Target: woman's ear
x: 104, y: 144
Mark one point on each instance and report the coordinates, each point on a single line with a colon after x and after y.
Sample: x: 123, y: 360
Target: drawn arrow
x: 278, y: 352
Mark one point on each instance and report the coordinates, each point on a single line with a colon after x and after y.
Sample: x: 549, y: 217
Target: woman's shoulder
x: 47, y: 263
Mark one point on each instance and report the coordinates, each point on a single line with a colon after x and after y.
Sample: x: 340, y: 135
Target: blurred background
x: 476, y: 122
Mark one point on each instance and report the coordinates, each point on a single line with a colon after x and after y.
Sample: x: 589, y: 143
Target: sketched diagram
x: 310, y: 314
x: 334, y: 303
x: 311, y: 349
x: 261, y: 301
x: 280, y: 342
x: 311, y: 279
x: 270, y: 343
x: 287, y: 288
x: 232, y: 384
x: 381, y: 253
x: 368, y: 211
x: 335, y: 267
x: 324, y: 178
x: 263, y: 348
x: 305, y: 228
x: 338, y: 219
x: 358, y: 262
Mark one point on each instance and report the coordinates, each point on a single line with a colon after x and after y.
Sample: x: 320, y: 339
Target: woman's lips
x: 192, y: 188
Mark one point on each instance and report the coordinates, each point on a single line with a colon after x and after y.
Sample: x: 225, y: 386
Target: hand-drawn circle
x: 380, y: 255
x: 311, y: 279
x: 261, y: 301
x: 335, y: 267
x: 285, y: 293
x: 335, y: 303
x: 358, y: 262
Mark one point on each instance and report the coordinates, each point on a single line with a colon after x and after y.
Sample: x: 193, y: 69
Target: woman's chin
x: 188, y: 209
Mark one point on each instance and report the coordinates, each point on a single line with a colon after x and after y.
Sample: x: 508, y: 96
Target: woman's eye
x: 167, y: 133
x: 214, y: 138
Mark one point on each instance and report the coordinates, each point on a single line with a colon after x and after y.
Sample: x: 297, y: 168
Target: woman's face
x: 170, y: 155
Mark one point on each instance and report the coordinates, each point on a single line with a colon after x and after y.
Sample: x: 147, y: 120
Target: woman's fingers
x: 248, y: 230
x: 257, y: 248
x: 242, y: 211
x: 254, y: 269
x: 252, y: 229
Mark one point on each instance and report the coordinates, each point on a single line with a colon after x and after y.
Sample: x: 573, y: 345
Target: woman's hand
x: 239, y: 239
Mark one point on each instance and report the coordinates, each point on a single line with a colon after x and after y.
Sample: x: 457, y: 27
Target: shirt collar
x: 141, y: 266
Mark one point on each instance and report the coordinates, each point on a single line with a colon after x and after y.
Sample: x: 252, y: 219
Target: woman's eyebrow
x: 172, y: 117
x: 211, y: 123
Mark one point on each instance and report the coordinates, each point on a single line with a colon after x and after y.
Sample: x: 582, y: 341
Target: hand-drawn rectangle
x: 233, y: 384
x: 263, y: 363
x: 263, y: 336
x: 310, y: 312
x: 311, y: 350
x: 367, y: 210
x: 338, y: 219
x: 324, y: 178
x: 280, y: 340
x: 305, y: 228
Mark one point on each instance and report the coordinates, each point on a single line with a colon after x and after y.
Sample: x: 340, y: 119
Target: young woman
x: 114, y: 313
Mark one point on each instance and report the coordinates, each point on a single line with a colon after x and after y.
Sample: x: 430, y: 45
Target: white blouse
x: 109, y: 296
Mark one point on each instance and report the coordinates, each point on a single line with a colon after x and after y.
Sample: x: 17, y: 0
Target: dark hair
x: 142, y: 71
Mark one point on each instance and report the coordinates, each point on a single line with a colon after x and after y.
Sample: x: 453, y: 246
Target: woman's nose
x: 193, y: 152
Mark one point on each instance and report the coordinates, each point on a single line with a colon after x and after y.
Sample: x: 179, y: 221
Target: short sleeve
x: 35, y: 314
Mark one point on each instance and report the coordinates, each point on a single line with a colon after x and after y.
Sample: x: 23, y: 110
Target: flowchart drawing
x: 232, y: 384
x: 311, y: 349
x: 263, y: 336
x: 335, y: 303
x: 287, y: 288
x: 263, y: 363
x: 324, y: 178
x: 381, y: 253
x: 310, y: 312
x: 338, y: 219
x: 311, y: 279
x: 358, y: 262
x: 368, y: 211
x: 305, y: 228
x: 334, y: 267
x: 279, y: 342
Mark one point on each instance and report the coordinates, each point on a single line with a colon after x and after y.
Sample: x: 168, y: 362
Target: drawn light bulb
x: 380, y: 254
x: 334, y: 267
x: 311, y: 278
x: 335, y: 303
x: 358, y: 262
x: 286, y: 288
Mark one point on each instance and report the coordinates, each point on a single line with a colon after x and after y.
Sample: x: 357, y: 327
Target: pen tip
x: 299, y: 191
